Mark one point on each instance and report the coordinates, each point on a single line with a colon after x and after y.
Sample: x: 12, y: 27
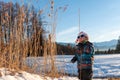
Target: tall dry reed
x: 22, y: 35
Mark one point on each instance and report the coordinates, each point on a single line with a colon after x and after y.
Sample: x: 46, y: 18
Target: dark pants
x: 85, y: 74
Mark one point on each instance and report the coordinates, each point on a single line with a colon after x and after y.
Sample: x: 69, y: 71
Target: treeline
x: 65, y: 49
x: 111, y: 51
x: 69, y: 50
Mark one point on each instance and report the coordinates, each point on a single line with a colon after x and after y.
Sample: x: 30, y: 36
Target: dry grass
x: 21, y: 35
x: 114, y: 79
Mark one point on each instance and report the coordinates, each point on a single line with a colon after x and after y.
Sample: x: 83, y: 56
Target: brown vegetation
x: 22, y: 35
x: 114, y: 79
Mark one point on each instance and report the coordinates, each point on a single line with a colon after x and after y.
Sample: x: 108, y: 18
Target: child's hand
x: 73, y: 60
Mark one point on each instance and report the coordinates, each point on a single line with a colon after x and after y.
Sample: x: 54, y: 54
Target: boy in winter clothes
x: 84, y: 57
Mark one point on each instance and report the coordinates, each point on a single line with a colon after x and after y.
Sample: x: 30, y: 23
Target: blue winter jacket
x: 84, y: 55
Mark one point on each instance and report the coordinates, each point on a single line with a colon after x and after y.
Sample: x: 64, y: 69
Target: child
x: 84, y: 57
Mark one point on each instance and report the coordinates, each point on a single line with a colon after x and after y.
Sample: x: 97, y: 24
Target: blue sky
x: 99, y: 18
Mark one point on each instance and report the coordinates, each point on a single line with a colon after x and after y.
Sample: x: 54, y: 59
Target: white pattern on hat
x: 82, y: 36
x: 83, y: 33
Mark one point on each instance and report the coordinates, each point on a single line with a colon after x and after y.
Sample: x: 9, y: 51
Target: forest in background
x: 70, y: 50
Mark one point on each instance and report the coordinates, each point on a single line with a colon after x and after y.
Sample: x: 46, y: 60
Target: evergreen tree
x: 118, y: 46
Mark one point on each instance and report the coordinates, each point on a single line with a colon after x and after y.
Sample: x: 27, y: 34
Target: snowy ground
x: 104, y: 66
x: 7, y: 75
x: 107, y: 66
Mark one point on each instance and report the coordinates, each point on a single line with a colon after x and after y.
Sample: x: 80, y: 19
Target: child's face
x: 80, y: 40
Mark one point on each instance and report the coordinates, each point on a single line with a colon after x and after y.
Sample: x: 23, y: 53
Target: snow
x: 107, y: 66
x: 27, y: 76
x: 104, y: 66
x: 6, y: 75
